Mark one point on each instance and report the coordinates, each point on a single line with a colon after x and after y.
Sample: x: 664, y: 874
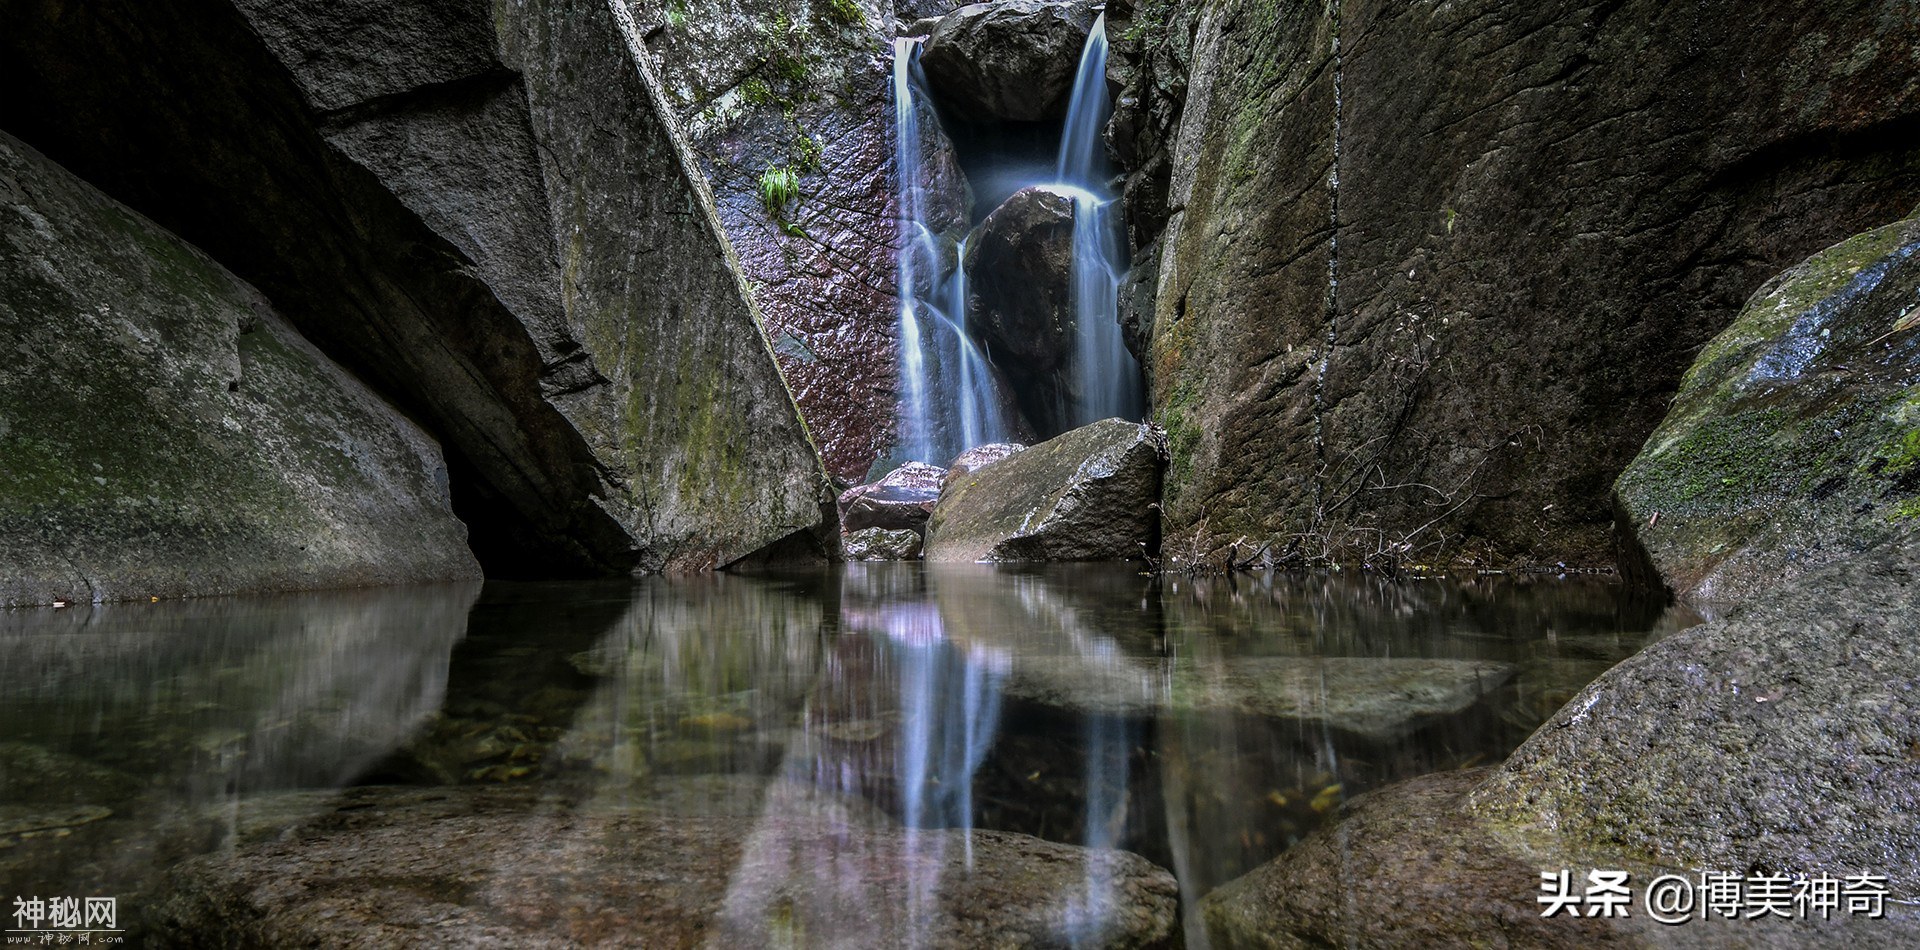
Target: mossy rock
x: 165, y: 433
x: 1794, y: 438
x: 1089, y: 495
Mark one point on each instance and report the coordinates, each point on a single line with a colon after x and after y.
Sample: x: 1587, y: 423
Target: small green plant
x: 780, y: 187
x: 846, y: 12
x: 806, y: 154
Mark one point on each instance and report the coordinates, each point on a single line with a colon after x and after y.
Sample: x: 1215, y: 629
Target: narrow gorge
x: 884, y: 473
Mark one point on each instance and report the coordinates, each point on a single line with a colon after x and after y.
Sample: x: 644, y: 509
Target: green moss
x: 1900, y: 454
x: 806, y: 154
x: 845, y: 12
x: 1728, y: 460
x: 756, y: 92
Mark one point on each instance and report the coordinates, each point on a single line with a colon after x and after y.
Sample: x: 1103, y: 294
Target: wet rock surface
x: 1795, y: 439
x: 442, y: 200
x: 761, y: 85
x: 1011, y: 60
x: 1378, y: 698
x: 1501, y: 289
x: 903, y: 498
x: 1020, y: 299
x: 979, y: 457
x: 1781, y: 736
x: 489, y: 867
x: 882, y: 544
x: 1085, y: 496
x: 166, y: 433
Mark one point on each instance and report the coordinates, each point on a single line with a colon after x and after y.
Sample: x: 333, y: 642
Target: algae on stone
x: 1791, y: 442
x: 164, y: 433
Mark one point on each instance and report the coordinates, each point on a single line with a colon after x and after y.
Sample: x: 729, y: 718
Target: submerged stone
x: 1088, y: 495
x: 165, y: 433
x: 1795, y: 439
x: 489, y: 867
x: 1378, y: 698
x: 1011, y: 60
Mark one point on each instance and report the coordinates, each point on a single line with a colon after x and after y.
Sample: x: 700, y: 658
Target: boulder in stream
x: 1019, y: 265
x: 1089, y: 495
x: 164, y: 432
x: 901, y: 499
x: 1012, y: 60
x: 882, y: 544
x: 1795, y: 438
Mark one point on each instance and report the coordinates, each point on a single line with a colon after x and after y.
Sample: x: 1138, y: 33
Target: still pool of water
x: 874, y: 755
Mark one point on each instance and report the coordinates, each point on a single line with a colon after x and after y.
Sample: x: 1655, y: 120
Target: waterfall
x: 948, y: 398
x: 1106, y: 376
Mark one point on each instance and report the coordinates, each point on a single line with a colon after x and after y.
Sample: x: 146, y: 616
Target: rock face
x: 166, y: 433
x: 493, y: 868
x: 1795, y: 440
x: 1020, y: 298
x: 903, y: 498
x: 805, y: 88
x: 443, y: 198
x: 882, y: 544
x: 1659, y: 757
x: 1085, y: 496
x: 1012, y: 60
x: 1778, y: 739
x: 1474, y: 247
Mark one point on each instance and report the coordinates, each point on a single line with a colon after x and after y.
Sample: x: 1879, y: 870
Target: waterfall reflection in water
x: 862, y: 753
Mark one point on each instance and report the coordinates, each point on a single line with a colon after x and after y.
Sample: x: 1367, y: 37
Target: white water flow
x: 948, y: 401
x: 1106, y: 376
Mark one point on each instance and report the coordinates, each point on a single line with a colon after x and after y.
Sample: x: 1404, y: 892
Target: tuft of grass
x: 780, y: 187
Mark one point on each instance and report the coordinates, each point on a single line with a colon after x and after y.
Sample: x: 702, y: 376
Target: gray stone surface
x: 1088, y: 495
x: 445, y: 198
x: 1795, y: 440
x: 1785, y: 735
x: 1489, y: 292
x: 1012, y: 60
x: 882, y: 544
x: 166, y: 433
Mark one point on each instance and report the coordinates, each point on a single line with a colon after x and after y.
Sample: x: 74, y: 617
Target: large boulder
x: 1464, y: 252
x: 166, y: 433
x: 768, y: 84
x: 483, y: 867
x: 1012, y: 60
x: 1019, y: 265
x: 441, y: 196
x: 1779, y: 739
x: 1795, y: 440
x: 1089, y: 495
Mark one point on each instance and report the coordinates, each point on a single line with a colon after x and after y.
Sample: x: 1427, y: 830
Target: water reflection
x: 887, y: 755
x: 124, y: 719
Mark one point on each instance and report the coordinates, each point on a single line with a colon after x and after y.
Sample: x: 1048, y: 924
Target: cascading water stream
x: 1106, y: 375
x: 948, y: 401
